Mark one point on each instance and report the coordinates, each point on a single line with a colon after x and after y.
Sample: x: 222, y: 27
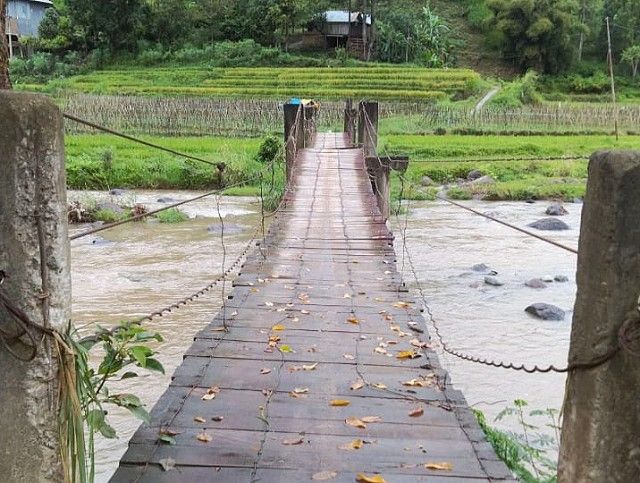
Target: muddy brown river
x: 137, y: 268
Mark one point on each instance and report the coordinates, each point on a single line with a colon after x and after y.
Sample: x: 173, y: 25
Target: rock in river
x: 426, y: 181
x: 484, y: 180
x: 229, y: 228
x: 556, y: 209
x: 561, y: 278
x: 117, y: 192
x: 545, y: 311
x: 549, y: 224
x: 474, y: 174
x: 480, y: 267
x: 536, y: 283
x: 166, y: 199
x: 493, y: 281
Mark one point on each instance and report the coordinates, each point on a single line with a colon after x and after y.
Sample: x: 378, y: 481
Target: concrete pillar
x: 34, y: 261
x: 368, y: 127
x: 601, y: 422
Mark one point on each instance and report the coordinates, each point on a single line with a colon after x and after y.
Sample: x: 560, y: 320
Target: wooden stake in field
x: 5, y: 82
x: 613, y: 84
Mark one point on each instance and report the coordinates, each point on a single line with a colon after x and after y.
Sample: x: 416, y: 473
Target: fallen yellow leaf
x: 339, y: 402
x: 362, y: 478
x: 278, y: 327
x: 353, y: 445
x: 408, y: 355
x: 204, y: 437
x: 355, y: 422
x: 401, y: 305
x: 285, y: 348
x: 199, y: 419
x: 353, y: 320
x: 442, y: 465
x: 418, y: 383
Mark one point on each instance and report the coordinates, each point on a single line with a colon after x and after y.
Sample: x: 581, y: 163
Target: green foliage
x: 108, y: 216
x: 270, y: 150
x: 537, y: 34
x: 526, y: 458
x: 87, y: 395
x: 424, y: 38
x: 457, y: 193
x: 521, y: 91
x: 631, y: 56
x: 172, y: 215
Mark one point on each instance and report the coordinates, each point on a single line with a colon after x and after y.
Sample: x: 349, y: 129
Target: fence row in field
x: 246, y: 117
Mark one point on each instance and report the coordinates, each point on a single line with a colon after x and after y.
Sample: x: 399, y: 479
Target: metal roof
x: 48, y: 2
x: 342, y: 16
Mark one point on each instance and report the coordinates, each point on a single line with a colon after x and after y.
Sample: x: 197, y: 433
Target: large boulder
x: 484, y: 180
x: 480, y: 267
x: 426, y: 181
x: 549, y: 224
x: 474, y: 174
x: 556, y: 209
x: 561, y: 278
x: 545, y: 311
x: 109, y: 206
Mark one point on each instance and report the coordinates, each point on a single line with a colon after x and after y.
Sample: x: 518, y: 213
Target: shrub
x: 173, y: 215
x: 270, y: 150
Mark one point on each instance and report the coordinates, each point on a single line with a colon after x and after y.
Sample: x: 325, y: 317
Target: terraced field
x: 383, y: 83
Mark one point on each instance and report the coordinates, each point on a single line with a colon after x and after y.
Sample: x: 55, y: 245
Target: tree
x: 537, y: 33
x: 5, y: 81
x: 631, y: 56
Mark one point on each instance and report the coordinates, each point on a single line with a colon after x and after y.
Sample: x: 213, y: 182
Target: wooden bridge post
x: 602, y: 405
x: 368, y: 127
x: 290, y: 116
x: 350, y: 120
x: 34, y: 279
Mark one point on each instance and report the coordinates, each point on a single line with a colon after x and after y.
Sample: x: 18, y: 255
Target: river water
x: 137, y: 268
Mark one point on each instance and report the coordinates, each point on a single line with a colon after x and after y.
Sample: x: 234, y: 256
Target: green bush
x: 173, y: 215
x: 270, y: 150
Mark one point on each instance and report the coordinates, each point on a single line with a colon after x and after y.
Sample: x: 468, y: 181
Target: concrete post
x: 368, y: 127
x: 602, y: 405
x: 34, y: 261
x: 309, y: 125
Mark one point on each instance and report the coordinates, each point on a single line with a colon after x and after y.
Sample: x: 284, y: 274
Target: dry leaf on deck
x: 355, y: 422
x: 285, y: 348
x: 349, y: 357
x: 357, y: 385
x: 418, y: 343
x: 339, y: 402
x: 278, y: 327
x: 379, y: 385
x: 217, y: 419
x: 199, y: 419
x: 353, y: 445
x: 265, y: 371
x: 401, y: 305
x: 352, y: 319
x: 418, y: 383
x: 324, y: 475
x: 167, y: 464
x: 293, y: 442
x: 211, y: 393
x: 204, y: 437
x: 269, y: 304
x: 309, y: 367
x: 371, y: 419
x: 362, y: 478
x: 380, y: 350
x: 416, y: 413
x: 442, y: 465
x: 305, y: 312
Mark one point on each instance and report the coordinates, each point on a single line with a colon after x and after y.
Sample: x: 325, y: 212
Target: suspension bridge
x: 318, y: 366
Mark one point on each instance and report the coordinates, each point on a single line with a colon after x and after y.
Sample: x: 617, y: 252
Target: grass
x: 131, y: 165
x: 448, y: 159
x: 378, y: 82
x: 173, y: 215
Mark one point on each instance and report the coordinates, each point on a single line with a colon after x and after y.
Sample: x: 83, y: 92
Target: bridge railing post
x: 291, y: 139
x: 35, y: 280
x: 599, y: 440
x: 350, y: 116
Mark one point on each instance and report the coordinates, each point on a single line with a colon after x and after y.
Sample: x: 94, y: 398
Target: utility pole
x: 613, y: 84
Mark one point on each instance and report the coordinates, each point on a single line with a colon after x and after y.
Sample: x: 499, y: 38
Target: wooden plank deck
x: 330, y: 259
